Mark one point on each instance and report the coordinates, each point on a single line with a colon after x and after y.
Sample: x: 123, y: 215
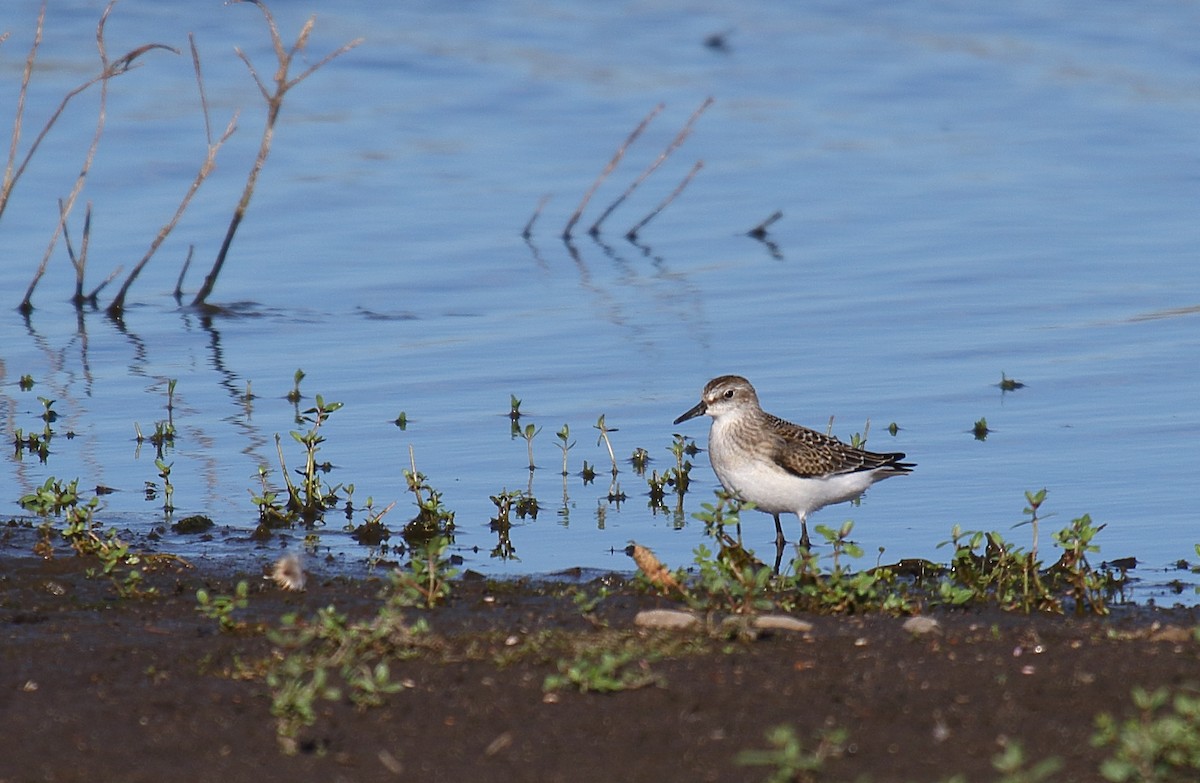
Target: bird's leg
x: 804, y: 542
x: 780, y: 543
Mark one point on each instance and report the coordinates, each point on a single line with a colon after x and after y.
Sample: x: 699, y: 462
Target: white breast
x: 755, y: 478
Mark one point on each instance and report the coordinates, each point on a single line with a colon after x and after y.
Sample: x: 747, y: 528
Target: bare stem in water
x: 274, y: 98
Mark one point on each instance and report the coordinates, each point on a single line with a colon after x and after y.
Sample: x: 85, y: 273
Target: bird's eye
x: 729, y: 394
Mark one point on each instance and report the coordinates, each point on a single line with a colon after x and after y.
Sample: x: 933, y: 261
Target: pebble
x: 920, y: 625
x: 665, y: 618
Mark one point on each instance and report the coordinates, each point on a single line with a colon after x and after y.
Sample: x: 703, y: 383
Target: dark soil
x: 95, y: 688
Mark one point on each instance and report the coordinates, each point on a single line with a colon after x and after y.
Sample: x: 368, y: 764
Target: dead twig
x: 612, y: 164
x: 108, y: 70
x: 123, y: 65
x: 91, y: 298
x: 187, y: 262
x: 274, y: 99
x: 528, y: 232
x: 632, y: 233
x: 116, y: 307
x: 10, y: 178
x: 674, y: 145
x: 760, y: 231
x: 77, y: 261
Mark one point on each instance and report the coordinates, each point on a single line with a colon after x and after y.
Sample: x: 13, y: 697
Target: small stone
x: 665, y: 618
x: 782, y: 622
x: 921, y: 625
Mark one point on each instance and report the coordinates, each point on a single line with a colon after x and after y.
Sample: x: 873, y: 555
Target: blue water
x: 966, y: 191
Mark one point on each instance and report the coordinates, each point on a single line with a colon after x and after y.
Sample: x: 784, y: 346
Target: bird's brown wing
x: 807, y: 453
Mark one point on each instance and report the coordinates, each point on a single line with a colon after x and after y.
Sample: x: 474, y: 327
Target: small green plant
x: 85, y: 535
x: 426, y: 580
x: 314, y: 496
x: 587, y: 603
x: 980, y: 429
x: 732, y: 579
x: 171, y: 403
x: 49, y: 415
x: 1010, y: 763
x: 296, y: 686
x: 294, y: 395
x: 602, y: 671
x: 309, y: 649
x: 372, y: 531
x: 52, y: 497
x: 271, y: 513
x: 36, y: 443
x: 220, y: 607
x: 164, y: 472
x: 859, y: 441
x: 1160, y: 743
x: 528, y: 434
x: 25, y: 383
x: 1086, y: 587
x: 841, y: 590
x: 679, y: 476
x: 789, y: 760
x: 604, y: 430
x: 402, y: 421
x: 518, y: 502
x: 433, y: 520
x: 565, y: 443
x: 658, y: 490
x: 1009, y: 384
x: 32, y: 442
x: 639, y: 460
x: 987, y: 569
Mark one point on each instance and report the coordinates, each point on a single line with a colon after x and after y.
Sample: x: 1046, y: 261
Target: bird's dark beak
x: 699, y: 410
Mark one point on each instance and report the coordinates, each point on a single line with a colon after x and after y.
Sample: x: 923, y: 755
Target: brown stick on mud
x: 274, y: 101
x: 117, y: 306
x: 674, y: 145
x: 632, y: 234
x: 612, y: 164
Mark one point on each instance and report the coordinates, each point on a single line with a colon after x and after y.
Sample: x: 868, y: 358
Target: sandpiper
x: 782, y: 467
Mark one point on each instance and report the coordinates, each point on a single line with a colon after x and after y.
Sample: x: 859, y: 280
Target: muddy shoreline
x: 100, y: 688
